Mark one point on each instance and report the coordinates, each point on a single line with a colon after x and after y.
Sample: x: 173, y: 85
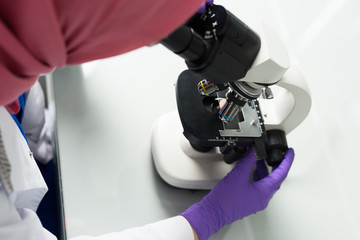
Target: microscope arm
x: 292, y: 104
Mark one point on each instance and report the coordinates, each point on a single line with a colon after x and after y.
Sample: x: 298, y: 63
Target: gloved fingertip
x: 290, y: 153
x: 247, y: 162
x: 250, y: 151
x: 261, y: 170
x: 287, y: 162
x: 280, y: 173
x: 203, y: 6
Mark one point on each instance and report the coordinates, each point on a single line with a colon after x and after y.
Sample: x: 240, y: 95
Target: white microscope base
x: 178, y: 163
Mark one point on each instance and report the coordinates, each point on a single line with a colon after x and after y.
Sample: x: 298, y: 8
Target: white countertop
x: 106, y: 109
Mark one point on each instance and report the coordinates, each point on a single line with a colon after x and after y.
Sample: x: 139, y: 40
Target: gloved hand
x: 236, y: 196
x: 203, y: 6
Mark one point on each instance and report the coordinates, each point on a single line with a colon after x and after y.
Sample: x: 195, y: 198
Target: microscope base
x: 178, y: 163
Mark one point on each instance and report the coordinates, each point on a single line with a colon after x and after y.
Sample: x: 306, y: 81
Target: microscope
x: 239, y: 92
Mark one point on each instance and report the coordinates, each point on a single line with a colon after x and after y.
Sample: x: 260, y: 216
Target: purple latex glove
x: 203, y: 6
x: 235, y: 196
x: 261, y: 170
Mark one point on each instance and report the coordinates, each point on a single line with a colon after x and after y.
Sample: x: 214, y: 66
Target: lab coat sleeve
x: 16, y: 224
x: 175, y: 228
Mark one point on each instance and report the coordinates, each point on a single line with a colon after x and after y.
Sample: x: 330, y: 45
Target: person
x: 39, y: 36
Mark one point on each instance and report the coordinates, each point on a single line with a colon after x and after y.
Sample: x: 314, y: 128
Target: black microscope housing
x: 220, y: 48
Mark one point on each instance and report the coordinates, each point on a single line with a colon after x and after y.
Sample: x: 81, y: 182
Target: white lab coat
x: 38, y: 124
x: 18, y: 219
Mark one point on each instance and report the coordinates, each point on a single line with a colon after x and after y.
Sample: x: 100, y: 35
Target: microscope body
x: 225, y: 103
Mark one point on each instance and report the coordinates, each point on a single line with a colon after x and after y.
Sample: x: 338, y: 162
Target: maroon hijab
x: 39, y: 35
